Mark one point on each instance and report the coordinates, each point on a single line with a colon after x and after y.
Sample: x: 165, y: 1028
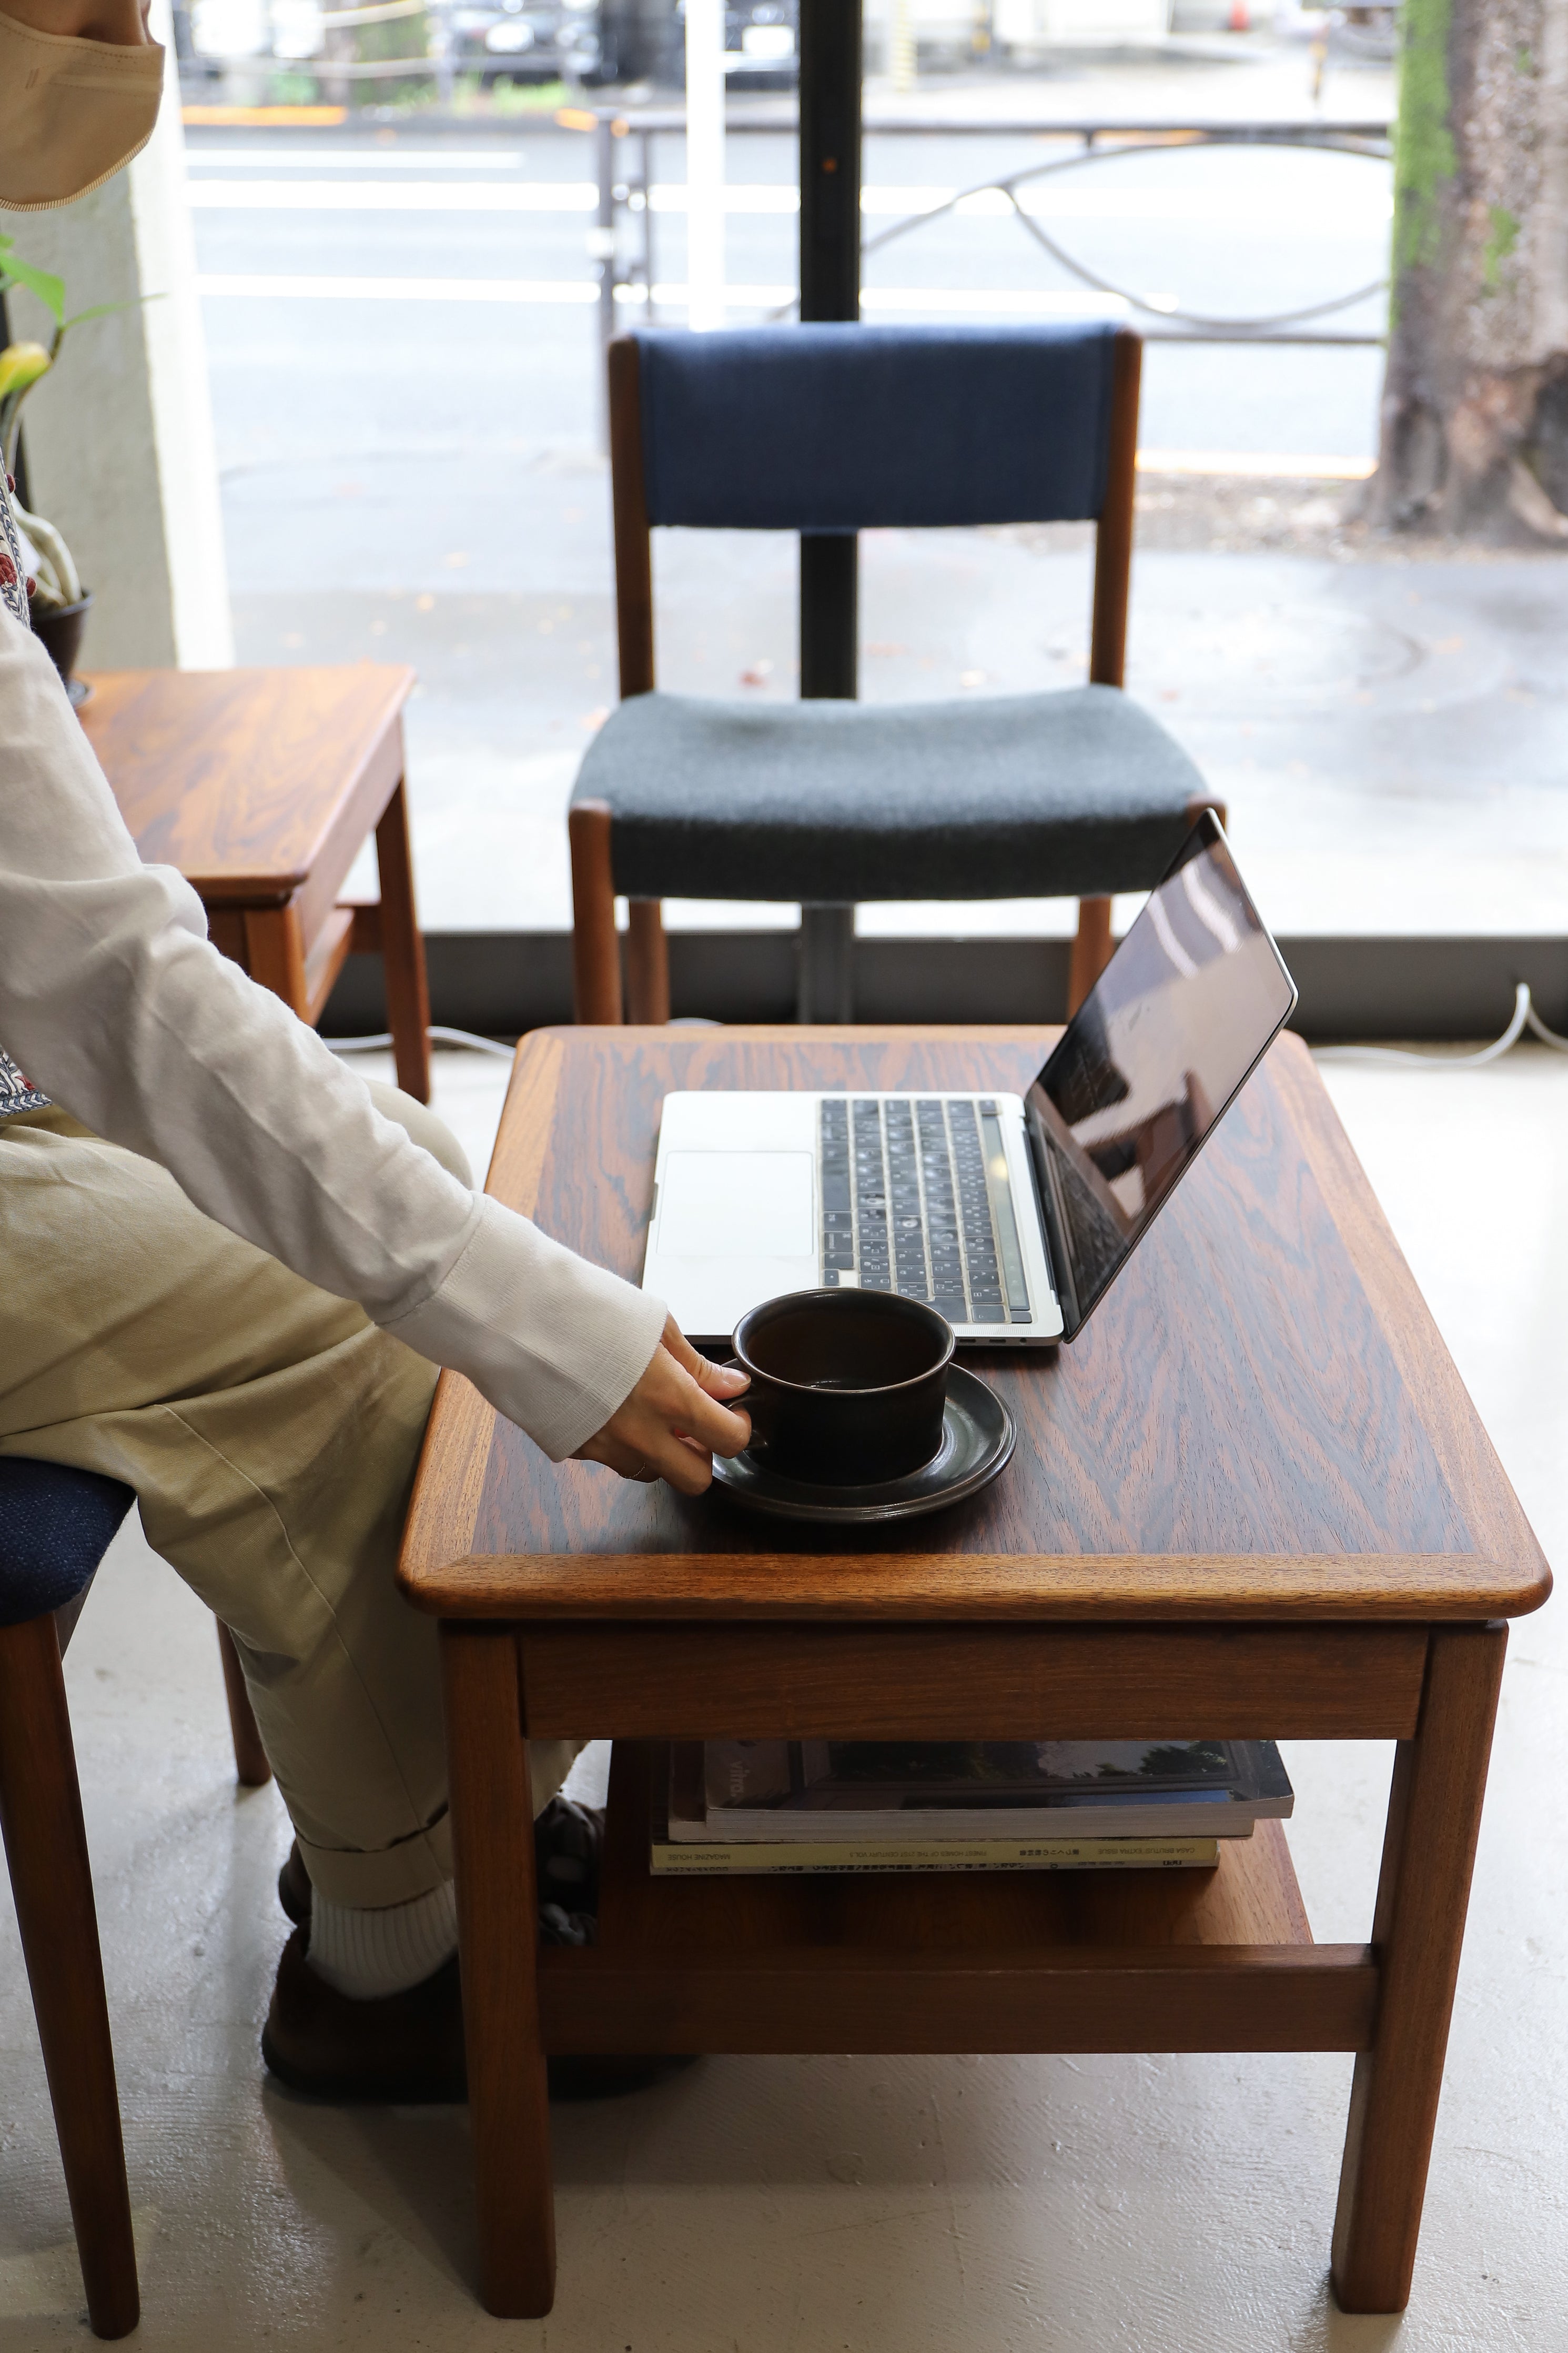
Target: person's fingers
x: 724, y: 1429
x: 640, y: 1446
x: 680, y: 1347
x: 719, y: 1380
x: 673, y: 1423
x: 685, y: 1467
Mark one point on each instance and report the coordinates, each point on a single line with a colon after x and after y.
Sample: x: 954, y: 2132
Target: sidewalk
x: 1385, y: 723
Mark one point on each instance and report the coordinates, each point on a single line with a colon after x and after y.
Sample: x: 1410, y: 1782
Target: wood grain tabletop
x: 1261, y: 1422
x: 251, y: 782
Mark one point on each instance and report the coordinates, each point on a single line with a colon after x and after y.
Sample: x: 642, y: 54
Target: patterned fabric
x: 17, y: 1091
x: 13, y: 569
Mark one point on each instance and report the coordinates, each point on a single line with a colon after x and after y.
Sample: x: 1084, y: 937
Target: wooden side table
x: 1253, y: 1500
x: 261, y: 785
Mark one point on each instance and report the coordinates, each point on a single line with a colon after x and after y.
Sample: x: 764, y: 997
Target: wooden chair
x: 828, y: 430
x: 56, y: 1525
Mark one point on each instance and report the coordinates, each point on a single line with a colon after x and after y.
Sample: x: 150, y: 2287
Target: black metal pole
x: 830, y: 74
x: 830, y: 69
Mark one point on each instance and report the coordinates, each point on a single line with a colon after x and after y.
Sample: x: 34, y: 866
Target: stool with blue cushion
x: 831, y: 429
x: 56, y: 1525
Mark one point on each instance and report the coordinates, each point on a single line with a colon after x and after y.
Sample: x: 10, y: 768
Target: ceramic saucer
x: 977, y: 1439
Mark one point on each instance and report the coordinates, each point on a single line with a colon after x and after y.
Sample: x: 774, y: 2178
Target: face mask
x: 71, y: 114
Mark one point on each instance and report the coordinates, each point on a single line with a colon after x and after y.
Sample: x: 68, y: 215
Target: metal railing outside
x: 626, y: 198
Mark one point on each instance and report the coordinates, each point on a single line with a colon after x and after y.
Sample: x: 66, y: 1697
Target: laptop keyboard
x: 915, y: 1198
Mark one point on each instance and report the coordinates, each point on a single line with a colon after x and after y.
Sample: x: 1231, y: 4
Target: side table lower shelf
x: 1048, y: 1961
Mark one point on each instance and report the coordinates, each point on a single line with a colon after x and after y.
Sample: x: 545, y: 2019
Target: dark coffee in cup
x: 847, y: 1387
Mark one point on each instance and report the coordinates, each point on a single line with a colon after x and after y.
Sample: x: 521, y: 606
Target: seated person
x: 231, y: 1270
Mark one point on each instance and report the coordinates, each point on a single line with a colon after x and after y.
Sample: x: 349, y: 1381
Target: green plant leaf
x: 49, y: 289
x: 103, y: 310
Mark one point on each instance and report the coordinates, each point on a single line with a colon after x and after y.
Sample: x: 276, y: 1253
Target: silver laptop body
x: 1010, y: 1213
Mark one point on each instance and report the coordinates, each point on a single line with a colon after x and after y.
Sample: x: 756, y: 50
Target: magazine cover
x: 684, y: 1845
x: 784, y: 1788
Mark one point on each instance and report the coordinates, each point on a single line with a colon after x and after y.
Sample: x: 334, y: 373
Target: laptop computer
x: 1011, y: 1214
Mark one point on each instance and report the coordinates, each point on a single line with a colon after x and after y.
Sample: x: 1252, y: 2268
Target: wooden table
x: 1253, y: 1500
x: 262, y: 786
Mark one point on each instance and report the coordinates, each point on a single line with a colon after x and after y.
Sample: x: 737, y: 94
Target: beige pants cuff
x: 401, y: 1874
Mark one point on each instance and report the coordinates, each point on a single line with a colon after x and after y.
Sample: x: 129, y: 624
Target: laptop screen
x: 1149, y: 1063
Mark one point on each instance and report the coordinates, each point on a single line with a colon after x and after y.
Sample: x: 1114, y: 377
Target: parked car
x: 526, y: 40
x: 644, y: 40
x: 765, y: 36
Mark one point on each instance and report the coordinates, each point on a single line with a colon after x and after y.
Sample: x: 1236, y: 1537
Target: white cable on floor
x: 1525, y: 1017
x: 1547, y: 1037
x: 437, y: 1038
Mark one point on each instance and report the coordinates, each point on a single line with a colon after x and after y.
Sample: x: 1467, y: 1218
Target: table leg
x: 403, y: 951
x: 493, y: 1828
x: 1434, y: 1818
x: 275, y: 955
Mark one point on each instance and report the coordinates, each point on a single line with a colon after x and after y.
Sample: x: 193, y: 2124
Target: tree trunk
x: 1475, y: 408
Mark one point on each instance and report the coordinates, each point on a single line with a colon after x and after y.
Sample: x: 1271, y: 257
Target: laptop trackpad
x: 736, y: 1205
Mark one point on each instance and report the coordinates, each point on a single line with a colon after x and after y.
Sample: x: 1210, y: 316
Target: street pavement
x: 415, y: 476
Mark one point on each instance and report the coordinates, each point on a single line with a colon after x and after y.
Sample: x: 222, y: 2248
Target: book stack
x: 774, y: 1806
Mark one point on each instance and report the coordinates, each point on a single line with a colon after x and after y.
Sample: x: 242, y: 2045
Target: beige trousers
x: 269, y: 1431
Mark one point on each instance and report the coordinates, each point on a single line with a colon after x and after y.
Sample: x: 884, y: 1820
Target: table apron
x: 1192, y: 1998
x: 677, y: 1681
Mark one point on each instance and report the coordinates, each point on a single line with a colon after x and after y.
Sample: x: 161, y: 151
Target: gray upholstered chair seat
x: 1072, y: 794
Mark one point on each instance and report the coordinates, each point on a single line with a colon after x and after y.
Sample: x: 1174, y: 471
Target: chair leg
x: 1091, y: 950
x: 250, y: 1765
x: 45, y: 1846
x: 825, y: 990
x: 647, y: 963
x: 595, y: 948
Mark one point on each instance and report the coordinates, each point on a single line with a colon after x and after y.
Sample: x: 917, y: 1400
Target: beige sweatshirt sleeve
x: 115, y: 1005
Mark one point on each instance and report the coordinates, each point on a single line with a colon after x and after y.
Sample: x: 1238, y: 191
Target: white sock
x: 369, y: 1955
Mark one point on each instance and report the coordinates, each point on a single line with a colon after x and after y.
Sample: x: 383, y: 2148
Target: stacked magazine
x: 751, y: 1806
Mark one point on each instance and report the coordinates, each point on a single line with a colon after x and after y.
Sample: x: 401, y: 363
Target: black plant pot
x: 60, y: 628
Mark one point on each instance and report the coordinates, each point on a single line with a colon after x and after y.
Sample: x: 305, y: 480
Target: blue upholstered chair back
x: 54, y: 1527
x: 846, y: 427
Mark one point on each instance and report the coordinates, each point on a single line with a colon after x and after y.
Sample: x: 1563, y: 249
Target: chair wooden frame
x: 51, y: 1879
x: 595, y: 945
x: 51, y: 1883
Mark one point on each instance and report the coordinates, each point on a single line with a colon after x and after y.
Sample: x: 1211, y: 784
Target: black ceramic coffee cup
x: 847, y: 1387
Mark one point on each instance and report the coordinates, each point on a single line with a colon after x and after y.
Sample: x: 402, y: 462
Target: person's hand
x: 672, y: 1424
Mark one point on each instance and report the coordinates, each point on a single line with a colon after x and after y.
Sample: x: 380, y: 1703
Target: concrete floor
x: 798, y: 2206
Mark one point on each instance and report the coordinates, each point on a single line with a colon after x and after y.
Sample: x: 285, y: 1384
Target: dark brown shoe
x: 294, y: 1889
x: 407, y: 2047
x: 568, y: 1841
